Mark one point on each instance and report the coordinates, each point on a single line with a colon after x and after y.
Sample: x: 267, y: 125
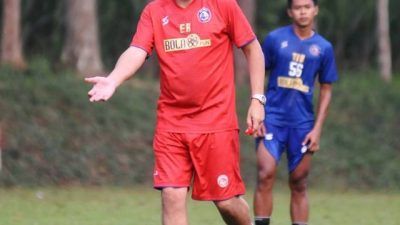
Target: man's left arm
x: 313, y: 138
x: 255, y: 60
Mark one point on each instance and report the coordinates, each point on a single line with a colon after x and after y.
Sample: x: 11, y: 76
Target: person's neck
x: 303, y: 32
x: 183, y: 3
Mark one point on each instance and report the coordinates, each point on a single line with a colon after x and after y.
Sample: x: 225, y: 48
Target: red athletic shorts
x: 210, y: 160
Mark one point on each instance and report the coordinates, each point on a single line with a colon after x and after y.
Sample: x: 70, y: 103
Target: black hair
x: 289, y: 3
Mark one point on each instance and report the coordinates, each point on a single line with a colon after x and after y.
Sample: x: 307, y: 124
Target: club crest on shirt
x: 315, y: 50
x: 204, y: 15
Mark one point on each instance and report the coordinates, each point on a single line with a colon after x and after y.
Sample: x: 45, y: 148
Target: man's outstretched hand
x: 102, y: 90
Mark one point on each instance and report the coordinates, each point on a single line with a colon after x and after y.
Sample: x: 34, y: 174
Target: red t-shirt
x: 194, y: 47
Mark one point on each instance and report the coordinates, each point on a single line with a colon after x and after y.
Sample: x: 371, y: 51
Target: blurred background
x: 50, y: 135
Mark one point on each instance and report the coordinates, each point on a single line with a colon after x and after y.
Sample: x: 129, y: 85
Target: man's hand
x: 103, y: 88
x: 128, y: 63
x: 312, y: 139
x: 262, y: 130
x: 255, y: 117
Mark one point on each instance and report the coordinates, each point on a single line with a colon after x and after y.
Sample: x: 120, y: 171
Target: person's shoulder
x: 283, y: 29
x: 323, y: 42
x: 280, y: 31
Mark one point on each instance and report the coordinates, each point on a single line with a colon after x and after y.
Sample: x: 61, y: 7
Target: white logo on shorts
x: 223, y: 181
x: 304, y: 149
x: 269, y: 136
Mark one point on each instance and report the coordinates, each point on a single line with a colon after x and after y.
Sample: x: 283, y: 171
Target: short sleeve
x: 144, y: 36
x: 328, y: 71
x: 268, y: 50
x: 239, y: 28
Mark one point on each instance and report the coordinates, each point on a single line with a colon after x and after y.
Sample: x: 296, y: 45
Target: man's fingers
x: 257, y: 121
x: 263, y: 130
x: 306, y: 140
x: 93, y: 80
x: 92, y: 92
x: 314, y: 147
x: 256, y: 126
x: 98, y: 99
x: 95, y: 97
x: 249, y: 131
x: 260, y: 132
x: 311, y: 146
x: 249, y: 121
x: 92, y: 99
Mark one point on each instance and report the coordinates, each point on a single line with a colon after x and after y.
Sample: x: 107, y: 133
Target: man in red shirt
x: 196, y: 137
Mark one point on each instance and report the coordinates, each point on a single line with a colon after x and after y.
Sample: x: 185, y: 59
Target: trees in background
x: 69, y: 28
x: 11, y: 45
x: 82, y: 50
x: 384, y: 44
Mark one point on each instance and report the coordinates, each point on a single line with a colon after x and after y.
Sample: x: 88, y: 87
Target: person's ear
x: 316, y: 10
x: 289, y: 12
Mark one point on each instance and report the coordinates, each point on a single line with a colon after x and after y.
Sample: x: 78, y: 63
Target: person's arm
x: 255, y: 60
x: 127, y: 65
x: 313, y: 138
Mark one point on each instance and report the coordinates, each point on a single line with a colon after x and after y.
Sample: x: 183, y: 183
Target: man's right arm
x: 127, y: 65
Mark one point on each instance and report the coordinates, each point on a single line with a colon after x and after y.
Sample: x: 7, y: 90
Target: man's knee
x: 298, y: 184
x: 174, y: 196
x: 265, y: 178
x: 231, y: 204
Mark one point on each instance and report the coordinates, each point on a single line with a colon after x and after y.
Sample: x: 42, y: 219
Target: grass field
x: 140, y: 205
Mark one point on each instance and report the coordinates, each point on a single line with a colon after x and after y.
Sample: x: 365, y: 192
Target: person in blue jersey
x: 295, y: 56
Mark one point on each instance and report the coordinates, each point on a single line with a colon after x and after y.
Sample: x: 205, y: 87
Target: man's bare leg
x: 263, y: 199
x: 299, y: 208
x: 174, y: 210
x: 234, y: 211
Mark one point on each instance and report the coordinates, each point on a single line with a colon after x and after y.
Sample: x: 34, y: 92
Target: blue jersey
x: 294, y: 64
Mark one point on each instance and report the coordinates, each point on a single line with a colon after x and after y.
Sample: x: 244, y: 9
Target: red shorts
x: 210, y: 160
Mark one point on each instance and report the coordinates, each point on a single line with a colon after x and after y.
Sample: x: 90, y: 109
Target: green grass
x: 140, y: 205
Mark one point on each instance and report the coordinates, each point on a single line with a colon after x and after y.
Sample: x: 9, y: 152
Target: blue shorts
x: 280, y: 139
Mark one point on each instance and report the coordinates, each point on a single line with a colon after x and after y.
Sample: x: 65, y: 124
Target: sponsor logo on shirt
x: 315, y: 50
x: 293, y: 83
x: 192, y: 41
x: 204, y: 15
x: 223, y: 181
